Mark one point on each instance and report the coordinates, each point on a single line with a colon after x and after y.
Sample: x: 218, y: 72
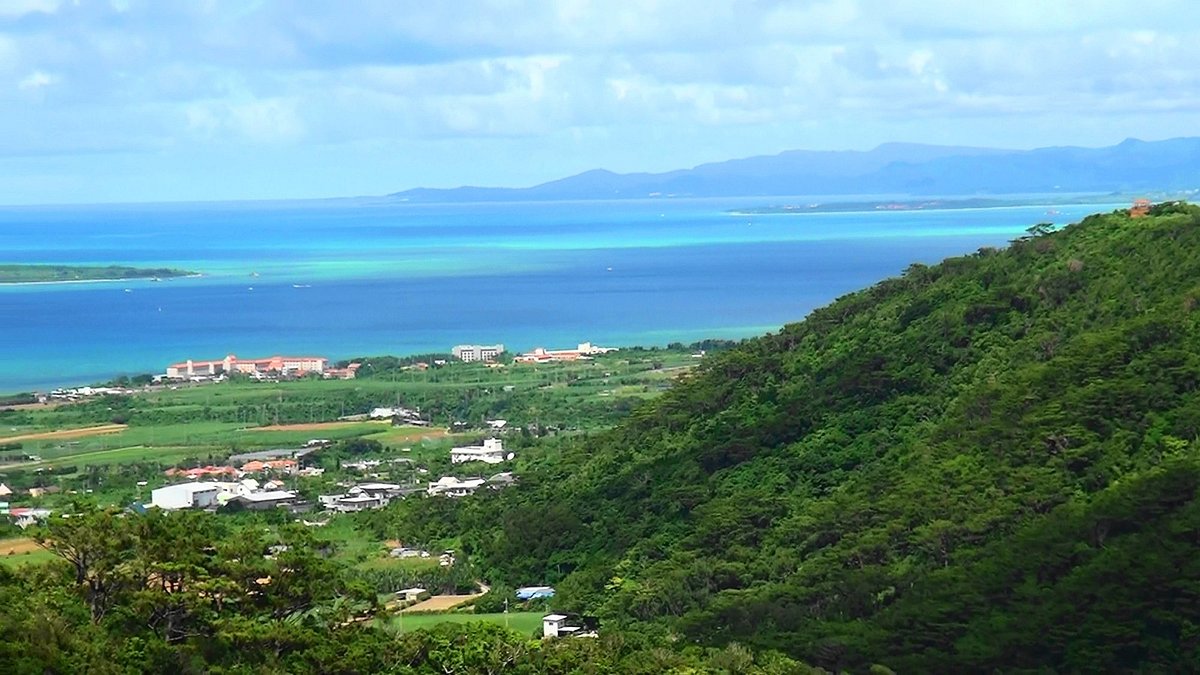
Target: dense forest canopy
x: 986, y: 464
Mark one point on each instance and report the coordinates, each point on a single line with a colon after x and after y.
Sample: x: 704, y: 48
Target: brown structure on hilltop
x: 1140, y: 208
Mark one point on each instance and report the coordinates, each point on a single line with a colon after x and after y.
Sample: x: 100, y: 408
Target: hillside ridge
x: 888, y: 169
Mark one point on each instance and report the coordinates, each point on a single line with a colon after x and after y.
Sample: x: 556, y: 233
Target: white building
x: 187, y: 495
x: 552, y: 624
x: 258, y: 501
x: 469, y: 353
x: 449, y: 486
x: 411, y: 594
x: 491, y: 452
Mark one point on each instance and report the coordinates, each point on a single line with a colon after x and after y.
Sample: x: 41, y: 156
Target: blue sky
x: 165, y: 100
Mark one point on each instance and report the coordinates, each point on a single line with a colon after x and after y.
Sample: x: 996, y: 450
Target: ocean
x: 346, y: 278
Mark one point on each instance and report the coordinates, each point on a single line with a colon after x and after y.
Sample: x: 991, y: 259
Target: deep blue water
x: 386, y: 278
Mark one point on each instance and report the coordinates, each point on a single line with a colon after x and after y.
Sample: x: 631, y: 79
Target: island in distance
x: 890, y: 169
x: 49, y: 274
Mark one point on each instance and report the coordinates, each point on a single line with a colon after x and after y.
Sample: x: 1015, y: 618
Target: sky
x: 183, y: 100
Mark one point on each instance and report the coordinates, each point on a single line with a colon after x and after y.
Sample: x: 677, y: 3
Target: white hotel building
x: 469, y: 353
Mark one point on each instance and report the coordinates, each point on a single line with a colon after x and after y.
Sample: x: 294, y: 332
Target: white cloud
x: 368, y: 73
x: 37, y: 80
x: 18, y: 8
x: 270, y: 120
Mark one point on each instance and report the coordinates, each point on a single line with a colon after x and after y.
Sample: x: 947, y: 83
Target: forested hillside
x: 987, y: 463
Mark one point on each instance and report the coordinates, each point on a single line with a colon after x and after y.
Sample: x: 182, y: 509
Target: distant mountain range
x: 892, y: 168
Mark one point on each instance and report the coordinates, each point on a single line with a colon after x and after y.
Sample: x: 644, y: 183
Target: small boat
x: 250, y: 288
x: 128, y: 290
x: 301, y: 286
x: 254, y: 274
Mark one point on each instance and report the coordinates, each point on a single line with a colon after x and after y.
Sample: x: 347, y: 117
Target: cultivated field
x: 524, y: 623
x: 22, y: 551
x: 318, y: 426
x: 440, y: 603
x: 65, y: 434
x: 20, y: 545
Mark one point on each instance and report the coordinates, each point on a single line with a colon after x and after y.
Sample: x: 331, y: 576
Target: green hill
x: 986, y: 463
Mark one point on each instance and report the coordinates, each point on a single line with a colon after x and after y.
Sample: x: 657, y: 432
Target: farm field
x: 22, y: 551
x: 63, y: 434
x: 439, y: 603
x: 173, y: 442
x: 522, y: 622
x: 203, y: 421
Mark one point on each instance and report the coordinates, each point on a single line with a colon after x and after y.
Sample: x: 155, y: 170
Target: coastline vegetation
x: 42, y: 274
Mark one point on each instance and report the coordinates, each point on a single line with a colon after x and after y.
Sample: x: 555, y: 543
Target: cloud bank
x: 144, y: 100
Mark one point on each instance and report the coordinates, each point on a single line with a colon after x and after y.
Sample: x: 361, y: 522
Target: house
x: 200, y: 495
x: 199, y: 472
x: 491, y: 452
x: 261, y: 501
x: 5, y: 491
x: 501, y: 480
x: 363, y: 465
x: 404, y: 552
x: 384, y: 491
x: 449, y: 486
x: 36, y: 492
x: 535, y: 592
x: 347, y: 373
x: 24, y: 516
x: 359, y: 502
x: 257, y: 466
x: 567, y: 625
x: 411, y: 594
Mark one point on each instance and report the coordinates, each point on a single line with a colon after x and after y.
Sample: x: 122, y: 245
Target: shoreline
x: 915, y: 206
x: 653, y: 341
x: 95, y: 281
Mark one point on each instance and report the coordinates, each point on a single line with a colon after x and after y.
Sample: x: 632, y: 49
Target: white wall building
x: 187, y: 495
x: 491, y: 452
x: 449, y: 486
x: 469, y: 353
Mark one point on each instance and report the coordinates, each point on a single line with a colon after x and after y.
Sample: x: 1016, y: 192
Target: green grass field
x: 523, y: 622
x: 16, y: 560
x: 169, y: 443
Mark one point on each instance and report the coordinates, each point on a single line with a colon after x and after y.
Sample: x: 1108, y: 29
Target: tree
x: 98, y: 544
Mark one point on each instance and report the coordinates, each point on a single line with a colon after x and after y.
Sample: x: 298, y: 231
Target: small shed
x: 553, y: 624
x: 411, y: 594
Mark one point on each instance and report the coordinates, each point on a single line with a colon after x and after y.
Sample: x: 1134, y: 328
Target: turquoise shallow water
x: 347, y: 278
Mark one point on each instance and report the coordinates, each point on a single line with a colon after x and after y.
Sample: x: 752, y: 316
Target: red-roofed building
x: 279, y: 365
x: 203, y: 471
x: 256, y: 466
x: 347, y: 373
